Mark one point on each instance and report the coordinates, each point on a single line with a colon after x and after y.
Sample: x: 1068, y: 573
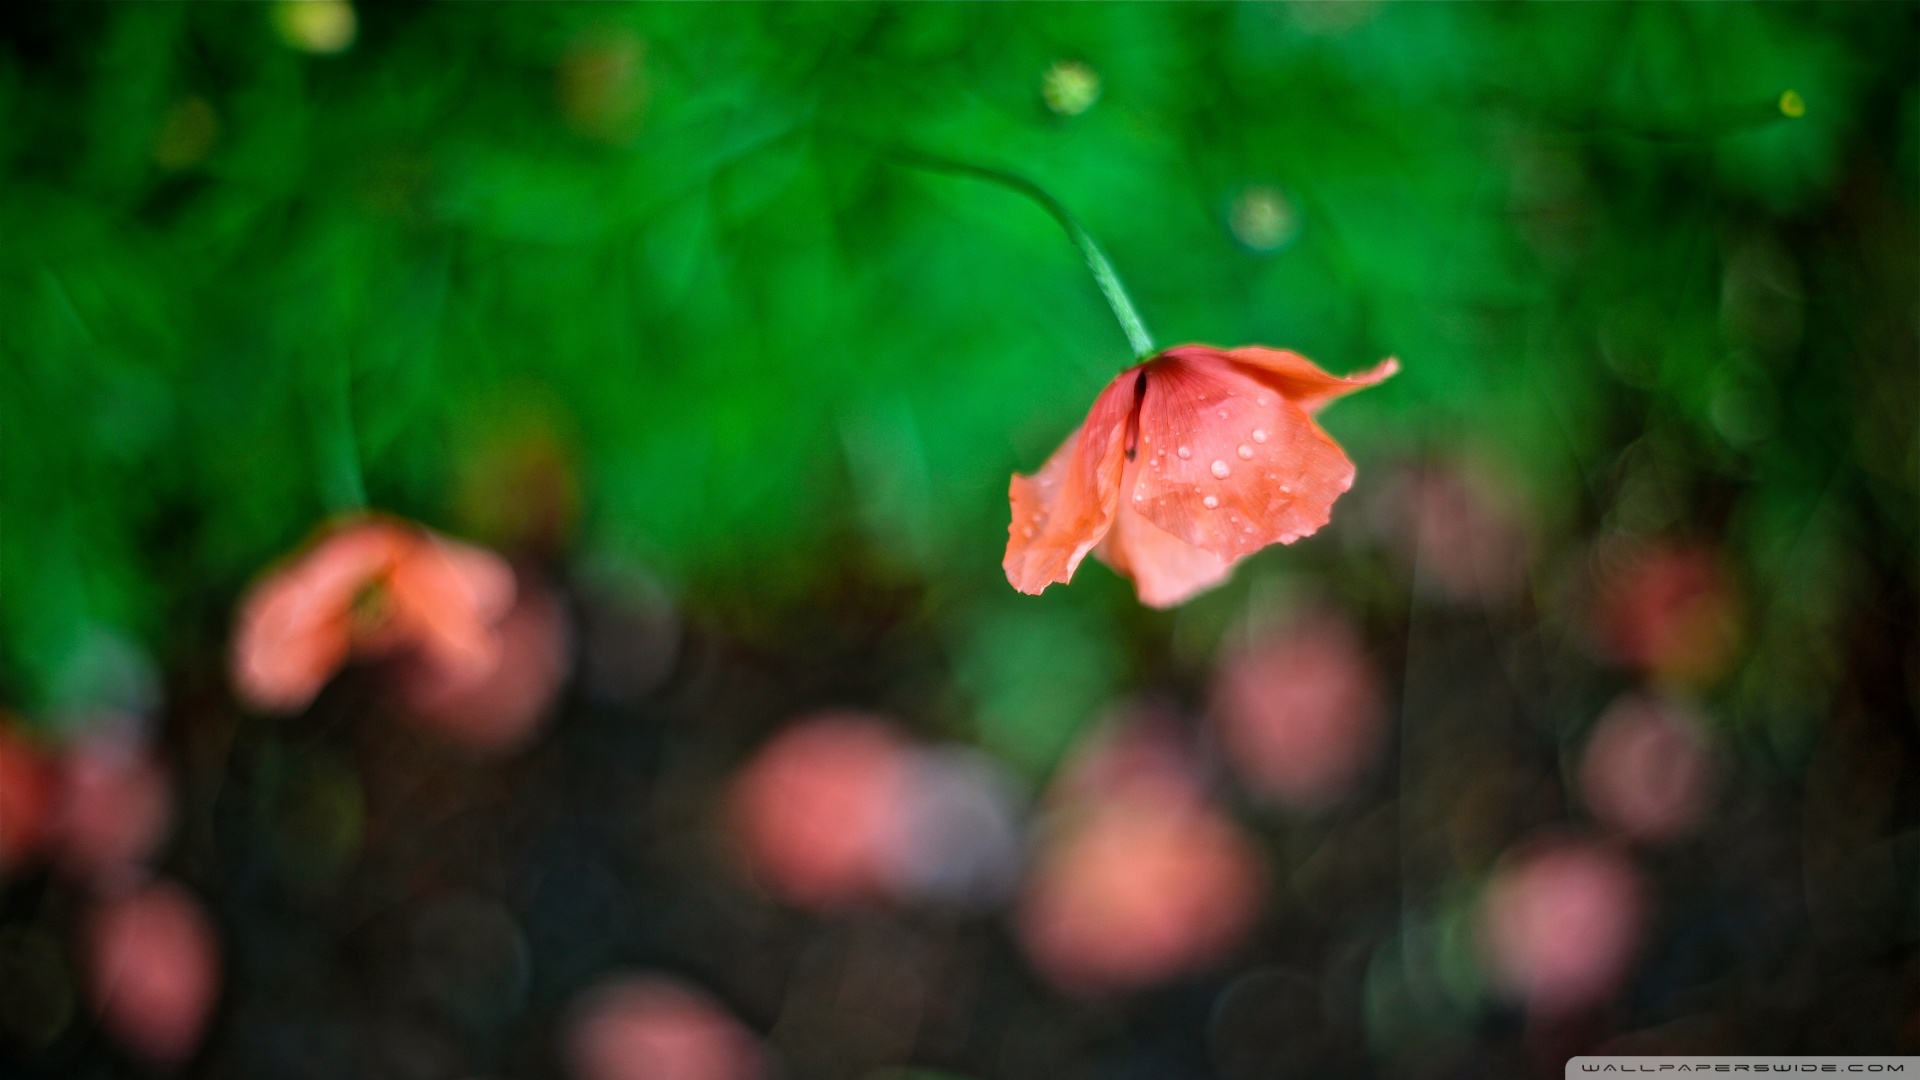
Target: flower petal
x: 448, y: 596
x: 294, y: 629
x: 1165, y: 570
x: 1062, y: 511
x: 1229, y: 464
x: 1301, y: 380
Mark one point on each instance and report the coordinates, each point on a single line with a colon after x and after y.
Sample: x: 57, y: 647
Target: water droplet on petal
x: 1220, y: 470
x: 1209, y: 502
x: 1245, y: 452
x: 1286, y: 489
x: 1259, y: 434
x: 1223, y: 414
x: 1185, y: 453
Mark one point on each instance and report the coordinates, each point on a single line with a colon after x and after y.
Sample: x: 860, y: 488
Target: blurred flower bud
x: 113, y: 807
x: 154, y: 971
x: 26, y: 798
x: 1559, y: 924
x: 1130, y: 892
x: 956, y: 840
x: 652, y: 1028
x: 1671, y: 612
x: 503, y: 709
x: 1646, y: 770
x: 816, y: 810
x: 602, y: 84
x: 1300, y: 713
x: 1070, y: 87
x: 316, y: 26
x: 371, y: 585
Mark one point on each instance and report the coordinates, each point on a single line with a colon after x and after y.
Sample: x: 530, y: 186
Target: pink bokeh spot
x: 1559, y: 925
x: 816, y: 810
x: 1300, y: 714
x: 113, y: 808
x: 1138, y: 877
x: 1647, y: 771
x: 368, y: 586
x: 653, y: 1028
x: 154, y: 971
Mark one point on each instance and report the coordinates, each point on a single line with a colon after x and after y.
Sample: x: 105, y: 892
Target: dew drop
x: 1245, y: 452
x: 1209, y: 502
x: 1027, y: 532
x: 1259, y: 434
x: 1286, y: 489
x: 1220, y: 470
x: 1260, y: 400
x: 1185, y: 453
x: 1223, y: 414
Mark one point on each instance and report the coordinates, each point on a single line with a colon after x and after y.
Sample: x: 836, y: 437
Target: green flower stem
x: 1097, y: 261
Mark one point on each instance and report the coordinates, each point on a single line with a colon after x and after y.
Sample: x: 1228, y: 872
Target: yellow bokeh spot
x: 1070, y: 87
x: 316, y: 26
x: 1792, y: 104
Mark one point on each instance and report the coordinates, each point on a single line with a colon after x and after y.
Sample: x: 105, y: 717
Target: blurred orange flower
x: 370, y: 585
x: 1186, y: 463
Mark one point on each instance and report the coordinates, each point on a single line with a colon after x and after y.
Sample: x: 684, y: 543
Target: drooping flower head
x: 1186, y: 463
x: 370, y: 585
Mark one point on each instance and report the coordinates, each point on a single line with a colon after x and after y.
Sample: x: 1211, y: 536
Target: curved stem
x: 1103, y: 272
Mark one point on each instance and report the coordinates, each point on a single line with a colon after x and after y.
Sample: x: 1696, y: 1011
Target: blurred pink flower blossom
x: 652, y: 1028
x: 1670, y: 611
x: 815, y: 811
x: 1560, y: 923
x: 370, y: 585
x: 499, y: 711
x: 1300, y: 713
x: 1139, y: 878
x: 153, y: 971
x: 113, y: 808
x: 1647, y: 771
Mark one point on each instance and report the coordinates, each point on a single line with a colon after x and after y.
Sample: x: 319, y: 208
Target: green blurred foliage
x: 245, y: 286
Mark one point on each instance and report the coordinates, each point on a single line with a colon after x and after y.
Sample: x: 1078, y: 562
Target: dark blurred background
x: 1588, y: 724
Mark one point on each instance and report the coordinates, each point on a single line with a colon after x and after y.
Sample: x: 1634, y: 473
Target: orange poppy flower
x: 370, y: 586
x: 1187, y: 462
